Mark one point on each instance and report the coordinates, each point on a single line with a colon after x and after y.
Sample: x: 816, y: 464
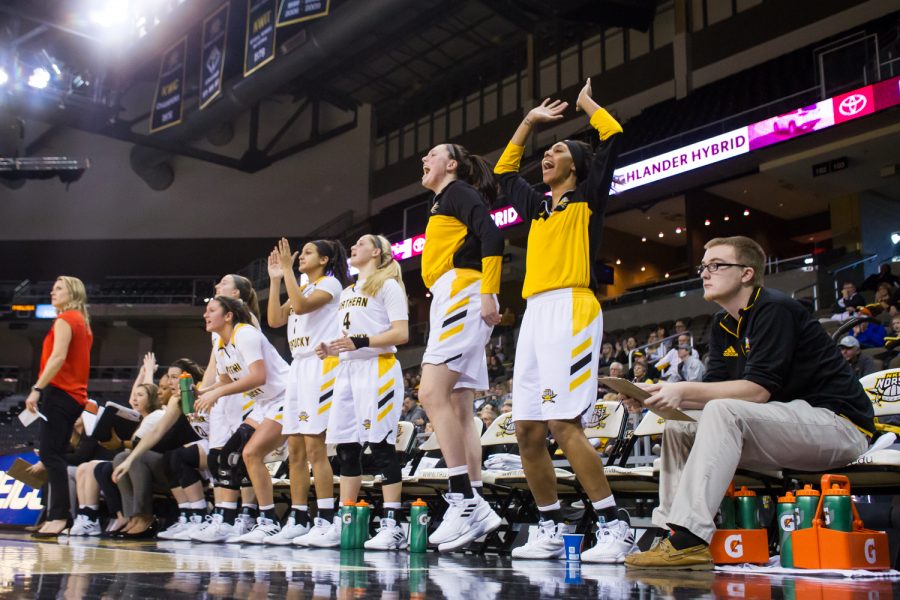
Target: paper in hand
x: 27, y: 417
x: 625, y: 387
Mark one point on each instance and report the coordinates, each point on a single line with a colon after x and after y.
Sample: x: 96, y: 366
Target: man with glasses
x: 777, y: 395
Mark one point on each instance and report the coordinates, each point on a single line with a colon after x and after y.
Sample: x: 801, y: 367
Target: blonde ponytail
x: 77, y: 296
x: 388, y: 268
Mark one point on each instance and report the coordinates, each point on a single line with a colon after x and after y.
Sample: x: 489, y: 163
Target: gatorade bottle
x: 786, y: 507
x: 418, y: 526
x: 836, y: 505
x: 725, y: 518
x: 807, y: 503
x: 747, y: 509
x: 186, y: 385
x: 418, y: 575
x: 348, y: 525
x: 362, y: 514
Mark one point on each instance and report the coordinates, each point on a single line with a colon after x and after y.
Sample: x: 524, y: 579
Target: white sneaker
x: 289, y: 531
x: 243, y: 523
x: 82, y: 525
x: 214, y: 530
x: 466, y: 520
x: 389, y: 536
x: 545, y: 543
x: 322, y: 535
x: 258, y: 533
x: 177, y: 527
x: 615, y: 541
x: 194, y: 524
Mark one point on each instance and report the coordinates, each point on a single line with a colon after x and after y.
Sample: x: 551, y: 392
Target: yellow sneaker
x: 665, y: 556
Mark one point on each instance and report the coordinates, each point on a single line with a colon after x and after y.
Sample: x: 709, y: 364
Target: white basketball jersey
x: 248, y: 345
x: 359, y: 315
x: 307, y: 331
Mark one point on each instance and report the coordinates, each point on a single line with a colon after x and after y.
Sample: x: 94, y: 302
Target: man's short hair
x: 746, y: 251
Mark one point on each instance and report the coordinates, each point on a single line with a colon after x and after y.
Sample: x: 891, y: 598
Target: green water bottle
x: 837, y: 508
x: 186, y: 385
x: 725, y: 518
x: 418, y: 526
x: 418, y: 576
x: 361, y: 515
x: 786, y: 507
x: 351, y: 563
x: 747, y: 509
x: 348, y: 525
x: 807, y: 503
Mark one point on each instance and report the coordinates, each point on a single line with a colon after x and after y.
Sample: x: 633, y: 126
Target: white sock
x: 198, y: 505
x: 232, y: 505
x: 184, y: 505
x: 300, y: 507
x: 325, y: 503
x: 607, y: 502
x: 460, y: 470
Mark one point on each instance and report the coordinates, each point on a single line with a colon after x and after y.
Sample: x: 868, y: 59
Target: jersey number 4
x: 347, y: 321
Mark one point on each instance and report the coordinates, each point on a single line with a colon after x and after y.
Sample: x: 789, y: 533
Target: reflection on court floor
x: 95, y: 568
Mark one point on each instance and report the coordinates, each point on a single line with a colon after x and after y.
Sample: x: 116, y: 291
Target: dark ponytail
x: 237, y: 307
x: 248, y: 294
x: 337, y: 260
x: 475, y: 171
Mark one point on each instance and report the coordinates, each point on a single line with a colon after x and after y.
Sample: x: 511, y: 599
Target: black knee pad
x: 350, y: 457
x: 220, y: 470
x: 232, y: 453
x: 386, y: 463
x: 103, y: 471
x: 171, y: 467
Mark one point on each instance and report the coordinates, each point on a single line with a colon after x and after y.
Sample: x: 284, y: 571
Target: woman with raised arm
x: 60, y: 393
x: 554, y: 381
x: 368, y: 391
x: 310, y: 314
x: 461, y: 266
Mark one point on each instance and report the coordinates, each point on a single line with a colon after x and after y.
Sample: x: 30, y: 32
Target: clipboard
x: 625, y: 387
x: 19, y: 470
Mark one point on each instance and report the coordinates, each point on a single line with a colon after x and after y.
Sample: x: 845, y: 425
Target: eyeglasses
x: 715, y: 266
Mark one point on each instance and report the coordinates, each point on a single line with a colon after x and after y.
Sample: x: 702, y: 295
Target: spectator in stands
x: 668, y: 364
x: 616, y: 369
x: 488, y: 414
x: 870, y: 335
x: 848, y: 302
x: 60, y: 394
x: 629, y: 348
x: 639, y: 371
x: 862, y: 364
x: 887, y: 300
x: 654, y: 350
x: 689, y: 367
x: 883, y: 275
x: 892, y: 342
x: 680, y: 327
x: 413, y: 413
x: 606, y: 354
x: 495, y: 368
x: 777, y: 395
x: 660, y: 336
x: 506, y: 407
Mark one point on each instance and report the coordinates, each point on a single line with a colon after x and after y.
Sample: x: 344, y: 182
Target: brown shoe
x: 665, y: 556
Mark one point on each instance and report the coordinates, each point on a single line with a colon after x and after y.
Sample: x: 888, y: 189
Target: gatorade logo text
x: 871, y: 557
x: 346, y: 518
x: 734, y: 546
x: 787, y: 522
x: 423, y: 520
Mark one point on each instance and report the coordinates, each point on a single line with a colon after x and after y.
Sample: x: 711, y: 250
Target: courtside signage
x: 19, y: 504
x: 804, y: 120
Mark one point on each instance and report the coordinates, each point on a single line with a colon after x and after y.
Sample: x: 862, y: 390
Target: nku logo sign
x: 19, y: 504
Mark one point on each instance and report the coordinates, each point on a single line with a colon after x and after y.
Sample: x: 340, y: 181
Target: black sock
x: 393, y: 513
x: 195, y: 512
x: 460, y: 484
x: 326, y: 514
x: 554, y: 515
x: 269, y: 514
x: 608, y: 514
x: 682, y: 538
x: 90, y: 513
x: 251, y: 510
x: 301, y: 517
x: 228, y: 514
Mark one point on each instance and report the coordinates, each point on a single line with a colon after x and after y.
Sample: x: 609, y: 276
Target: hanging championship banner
x: 212, y: 55
x: 168, y: 103
x: 295, y: 11
x: 259, y: 47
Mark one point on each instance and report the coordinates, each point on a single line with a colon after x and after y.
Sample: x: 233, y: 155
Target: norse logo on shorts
x: 507, y: 427
x: 548, y: 395
x: 886, y: 388
x: 367, y: 424
x: 598, y: 416
x: 304, y: 417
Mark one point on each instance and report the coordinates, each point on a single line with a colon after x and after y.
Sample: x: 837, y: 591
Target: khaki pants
x: 699, y: 458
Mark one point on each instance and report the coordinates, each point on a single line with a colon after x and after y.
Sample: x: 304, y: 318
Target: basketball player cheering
x: 368, y: 391
x: 461, y: 266
x: 559, y: 343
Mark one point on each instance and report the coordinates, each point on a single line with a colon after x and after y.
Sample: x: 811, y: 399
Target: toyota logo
x: 852, y: 105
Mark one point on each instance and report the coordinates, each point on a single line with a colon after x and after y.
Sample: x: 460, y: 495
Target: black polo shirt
x: 775, y: 343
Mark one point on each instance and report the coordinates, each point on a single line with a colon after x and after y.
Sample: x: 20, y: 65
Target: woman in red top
x: 60, y: 393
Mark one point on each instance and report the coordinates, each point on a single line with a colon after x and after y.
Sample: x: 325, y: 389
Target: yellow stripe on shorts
x: 385, y: 363
x: 582, y: 347
x: 385, y: 412
x: 386, y: 386
x: 451, y: 332
x: 585, y: 309
x: 579, y: 380
x: 327, y: 384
